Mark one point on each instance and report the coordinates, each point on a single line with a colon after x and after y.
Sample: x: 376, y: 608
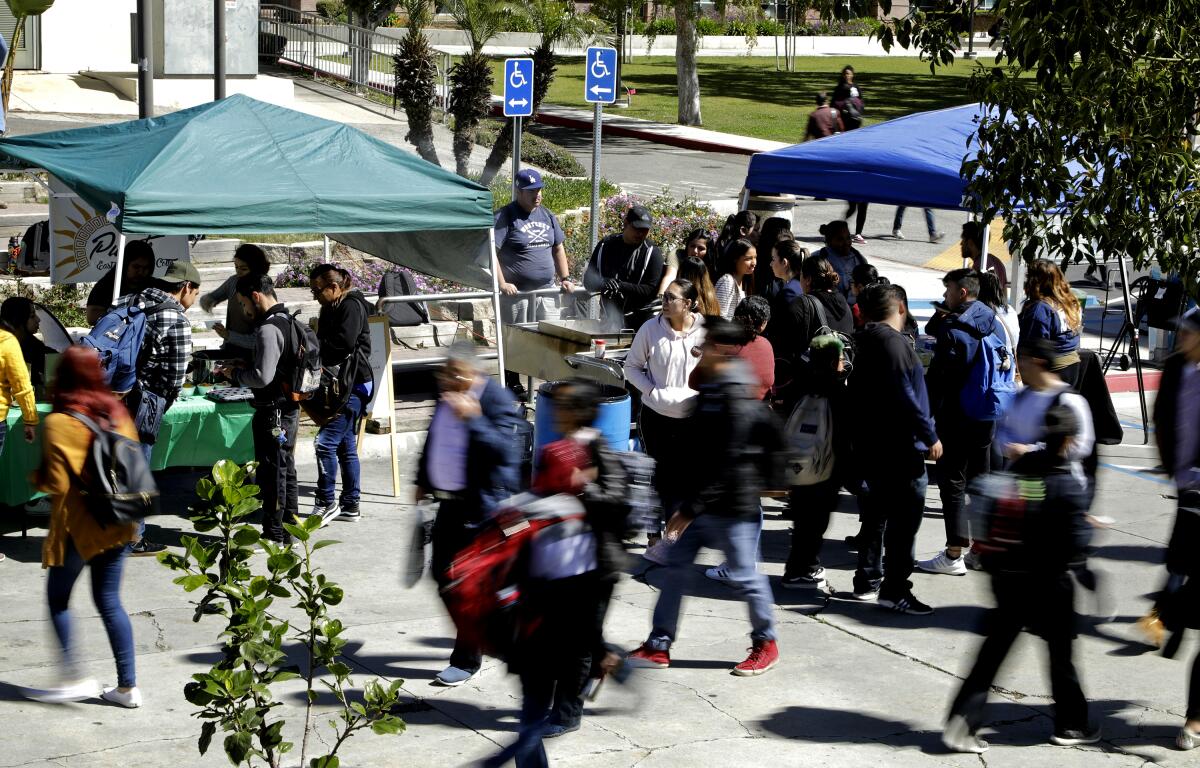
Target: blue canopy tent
x: 913, y: 161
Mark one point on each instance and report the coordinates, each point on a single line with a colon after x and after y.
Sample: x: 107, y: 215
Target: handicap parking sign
x: 518, y: 87
x: 600, y: 76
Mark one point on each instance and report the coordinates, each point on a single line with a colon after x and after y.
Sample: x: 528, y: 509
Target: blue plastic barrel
x: 612, y: 417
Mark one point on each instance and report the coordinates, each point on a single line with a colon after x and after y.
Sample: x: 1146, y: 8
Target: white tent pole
x: 496, y: 300
x: 983, y: 249
x: 119, y: 267
x: 1016, y: 287
x: 326, y: 239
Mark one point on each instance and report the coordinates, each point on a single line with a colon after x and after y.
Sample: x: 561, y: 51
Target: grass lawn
x: 746, y: 96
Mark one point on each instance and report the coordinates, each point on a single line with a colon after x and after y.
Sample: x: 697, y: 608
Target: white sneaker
x: 131, y: 699
x: 897, y: 234
x: 958, y: 737
x: 943, y: 563
x: 972, y: 561
x: 720, y: 573
x: 453, y: 676
x: 1187, y: 740
x: 78, y: 691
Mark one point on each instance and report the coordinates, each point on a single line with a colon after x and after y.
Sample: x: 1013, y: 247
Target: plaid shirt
x: 162, y: 364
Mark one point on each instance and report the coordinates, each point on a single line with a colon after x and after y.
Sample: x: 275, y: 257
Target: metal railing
x: 352, y: 58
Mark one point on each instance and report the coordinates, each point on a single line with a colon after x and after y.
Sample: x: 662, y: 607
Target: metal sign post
x: 599, y: 88
x: 518, y: 103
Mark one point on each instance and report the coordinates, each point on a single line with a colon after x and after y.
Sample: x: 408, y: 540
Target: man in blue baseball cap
x: 530, y: 255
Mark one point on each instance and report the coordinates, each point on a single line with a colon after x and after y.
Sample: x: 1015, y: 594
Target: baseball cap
x: 639, y: 217
x: 180, y: 271
x: 529, y: 179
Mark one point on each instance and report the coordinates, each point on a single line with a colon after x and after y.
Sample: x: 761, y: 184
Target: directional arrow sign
x: 518, y: 87
x: 600, y: 76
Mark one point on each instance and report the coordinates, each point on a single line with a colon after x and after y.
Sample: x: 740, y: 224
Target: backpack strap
x: 822, y: 318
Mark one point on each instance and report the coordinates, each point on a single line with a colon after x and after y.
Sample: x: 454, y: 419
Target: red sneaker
x: 763, y: 656
x: 645, y: 656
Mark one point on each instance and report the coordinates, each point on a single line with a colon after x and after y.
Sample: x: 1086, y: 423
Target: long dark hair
x: 79, y: 385
x: 774, y: 231
x: 731, y: 256
x: 733, y: 225
x: 711, y: 252
x: 695, y: 271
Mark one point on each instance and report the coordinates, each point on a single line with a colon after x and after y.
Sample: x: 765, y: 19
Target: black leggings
x: 667, y: 441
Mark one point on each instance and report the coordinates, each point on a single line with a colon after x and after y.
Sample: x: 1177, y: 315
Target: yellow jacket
x: 65, y: 445
x: 15, y: 385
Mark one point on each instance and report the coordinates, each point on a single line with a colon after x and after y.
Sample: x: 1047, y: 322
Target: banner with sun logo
x: 83, y: 245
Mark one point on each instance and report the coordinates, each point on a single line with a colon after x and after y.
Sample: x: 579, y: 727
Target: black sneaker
x: 146, y: 548
x: 814, y: 580
x: 905, y: 604
x: 349, y: 515
x: 1073, y: 737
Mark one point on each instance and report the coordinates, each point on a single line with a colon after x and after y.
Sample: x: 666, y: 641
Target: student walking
x: 75, y: 538
x: 740, y: 456
x: 1029, y: 552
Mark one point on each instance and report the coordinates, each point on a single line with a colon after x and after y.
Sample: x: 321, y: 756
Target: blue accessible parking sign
x: 518, y: 87
x: 600, y: 76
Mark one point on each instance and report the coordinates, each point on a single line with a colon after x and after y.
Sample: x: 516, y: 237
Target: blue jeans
x: 106, y: 593
x: 337, y: 445
x: 930, y: 224
x: 737, y: 539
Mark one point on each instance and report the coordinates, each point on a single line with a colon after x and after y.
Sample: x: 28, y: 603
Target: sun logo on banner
x: 83, y: 241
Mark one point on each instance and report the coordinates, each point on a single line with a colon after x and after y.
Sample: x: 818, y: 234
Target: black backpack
x: 304, y: 378
x: 399, y: 282
x: 118, y: 486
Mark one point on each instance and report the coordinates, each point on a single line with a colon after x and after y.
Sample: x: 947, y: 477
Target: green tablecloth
x: 195, y: 432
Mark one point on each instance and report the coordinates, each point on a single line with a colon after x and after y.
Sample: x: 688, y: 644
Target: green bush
x: 334, y: 10
x: 661, y: 26
x: 64, y: 301
x: 673, y: 219
x: 770, y: 27
x: 558, y: 195
x: 534, y: 150
x: 852, y: 28
x: 706, y: 27
x: 514, y: 22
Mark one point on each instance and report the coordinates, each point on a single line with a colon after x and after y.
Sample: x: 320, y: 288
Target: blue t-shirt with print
x: 525, y: 245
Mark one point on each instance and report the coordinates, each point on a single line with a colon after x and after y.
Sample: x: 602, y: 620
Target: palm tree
x: 471, y: 77
x: 416, y: 79
x: 21, y: 10
x: 557, y: 22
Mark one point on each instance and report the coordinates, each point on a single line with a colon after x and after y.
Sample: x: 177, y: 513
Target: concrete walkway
x: 858, y: 686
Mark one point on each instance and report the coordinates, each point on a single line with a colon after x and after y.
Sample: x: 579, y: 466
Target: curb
x: 608, y: 129
x: 1126, y: 381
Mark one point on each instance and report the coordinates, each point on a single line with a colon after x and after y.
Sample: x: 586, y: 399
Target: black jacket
x: 345, y: 335
x: 1185, y: 538
x: 741, y: 451
x: 891, y: 403
x: 637, y: 268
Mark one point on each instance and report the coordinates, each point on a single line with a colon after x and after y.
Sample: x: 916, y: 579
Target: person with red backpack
x: 468, y: 465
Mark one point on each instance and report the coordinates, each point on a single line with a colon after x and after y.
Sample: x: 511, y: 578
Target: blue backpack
x: 991, y: 382
x: 117, y: 339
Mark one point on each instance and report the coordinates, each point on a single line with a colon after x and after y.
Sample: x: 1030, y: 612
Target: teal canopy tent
x: 241, y: 166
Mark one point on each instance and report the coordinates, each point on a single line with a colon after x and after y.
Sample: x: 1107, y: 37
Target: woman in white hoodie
x: 665, y: 351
